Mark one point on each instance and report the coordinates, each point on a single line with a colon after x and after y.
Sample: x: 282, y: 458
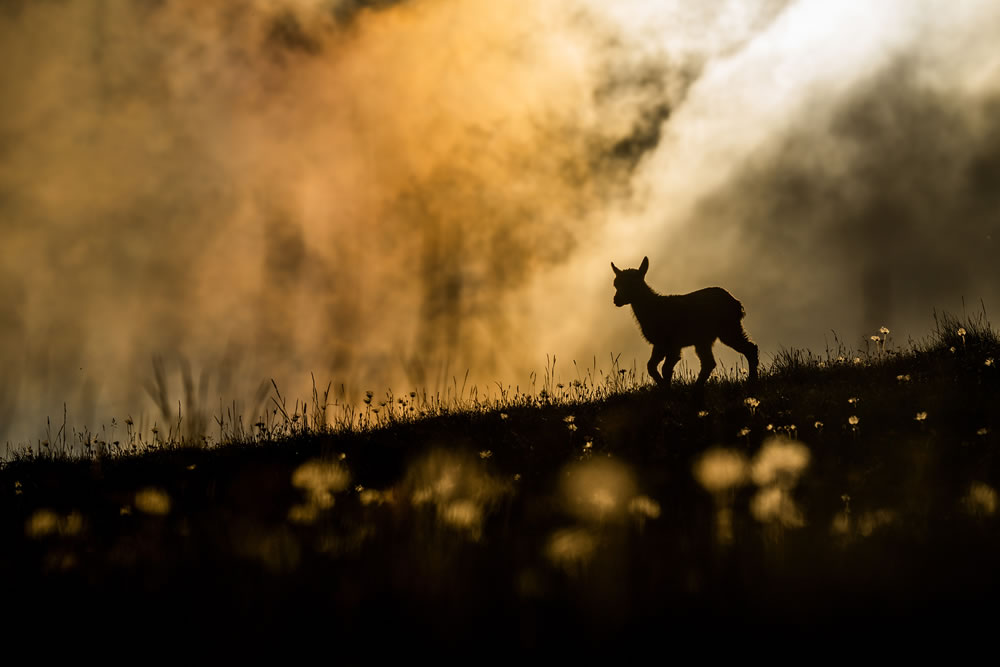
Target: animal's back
x: 712, y: 302
x: 703, y: 314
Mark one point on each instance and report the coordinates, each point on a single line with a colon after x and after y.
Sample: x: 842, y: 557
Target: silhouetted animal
x: 673, y: 322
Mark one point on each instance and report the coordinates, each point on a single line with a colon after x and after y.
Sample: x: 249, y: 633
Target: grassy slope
x: 468, y: 526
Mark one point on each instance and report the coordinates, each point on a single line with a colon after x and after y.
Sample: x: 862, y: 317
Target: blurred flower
x: 644, y: 506
x: 921, y: 416
x: 780, y: 461
x: 903, y: 378
x: 884, y: 331
x: 981, y: 499
x: 853, y: 420
x: 719, y: 470
x: 152, y: 501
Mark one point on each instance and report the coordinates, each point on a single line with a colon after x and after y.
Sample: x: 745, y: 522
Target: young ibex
x: 677, y: 321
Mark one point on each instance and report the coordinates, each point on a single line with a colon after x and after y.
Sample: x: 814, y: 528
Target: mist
x: 390, y: 194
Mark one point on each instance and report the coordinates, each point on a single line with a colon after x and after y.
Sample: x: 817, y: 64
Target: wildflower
x: 989, y: 361
x: 921, y: 416
x: 569, y: 419
x: 857, y: 360
x: 876, y: 339
x: 903, y: 378
x: 982, y: 431
x: 952, y: 349
x: 853, y: 420
x: 770, y: 427
x: 485, y: 454
x: 884, y: 331
x: 571, y: 427
x: 703, y: 413
x: 588, y: 443
x: 504, y: 415
x: 822, y: 364
x: 743, y: 432
x: 961, y: 332
x: 818, y: 425
x: 751, y: 402
x: 853, y: 400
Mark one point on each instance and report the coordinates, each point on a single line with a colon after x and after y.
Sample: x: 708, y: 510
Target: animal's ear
x: 617, y: 271
x: 644, y: 267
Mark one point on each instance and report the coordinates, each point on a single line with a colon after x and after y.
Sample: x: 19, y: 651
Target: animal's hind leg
x: 707, y: 359
x: 740, y: 341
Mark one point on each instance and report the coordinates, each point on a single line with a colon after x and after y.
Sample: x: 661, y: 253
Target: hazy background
x: 387, y: 194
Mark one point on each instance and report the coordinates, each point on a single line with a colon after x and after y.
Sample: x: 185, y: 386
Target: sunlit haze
x: 390, y: 194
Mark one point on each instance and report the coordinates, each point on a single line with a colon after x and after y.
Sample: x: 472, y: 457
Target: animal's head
x: 629, y: 282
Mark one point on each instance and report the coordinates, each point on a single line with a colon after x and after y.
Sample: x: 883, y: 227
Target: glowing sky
x: 390, y: 193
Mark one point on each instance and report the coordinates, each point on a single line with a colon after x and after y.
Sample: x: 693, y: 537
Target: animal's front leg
x: 654, y: 361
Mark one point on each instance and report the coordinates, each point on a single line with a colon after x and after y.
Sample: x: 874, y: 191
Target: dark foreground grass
x: 844, y: 499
